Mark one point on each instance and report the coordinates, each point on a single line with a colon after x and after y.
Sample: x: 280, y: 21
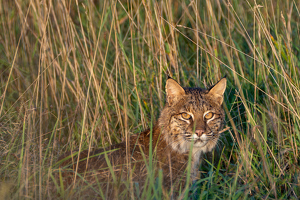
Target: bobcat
x: 189, y: 125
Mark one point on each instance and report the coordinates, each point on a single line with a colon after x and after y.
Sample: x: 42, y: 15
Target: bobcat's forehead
x: 196, y: 101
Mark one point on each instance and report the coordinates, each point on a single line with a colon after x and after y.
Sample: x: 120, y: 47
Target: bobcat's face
x: 193, y: 117
x: 197, y: 121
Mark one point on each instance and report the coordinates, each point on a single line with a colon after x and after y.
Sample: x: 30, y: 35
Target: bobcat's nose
x: 199, y: 132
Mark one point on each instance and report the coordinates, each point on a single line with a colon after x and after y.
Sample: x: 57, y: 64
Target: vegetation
x: 83, y: 74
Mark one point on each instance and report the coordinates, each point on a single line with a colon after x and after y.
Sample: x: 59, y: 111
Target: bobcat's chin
x: 182, y: 143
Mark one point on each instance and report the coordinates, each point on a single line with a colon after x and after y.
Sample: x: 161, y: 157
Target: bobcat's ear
x: 217, y: 91
x: 174, y: 91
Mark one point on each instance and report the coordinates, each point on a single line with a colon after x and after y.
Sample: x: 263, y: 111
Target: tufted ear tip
x: 174, y: 91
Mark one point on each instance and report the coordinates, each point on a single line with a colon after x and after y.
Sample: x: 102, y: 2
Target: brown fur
x: 172, y: 139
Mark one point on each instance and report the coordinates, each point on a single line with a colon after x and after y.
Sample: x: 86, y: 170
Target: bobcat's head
x: 192, y: 115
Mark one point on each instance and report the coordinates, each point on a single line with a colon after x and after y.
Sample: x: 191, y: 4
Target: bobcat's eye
x: 208, y: 115
x: 185, y: 116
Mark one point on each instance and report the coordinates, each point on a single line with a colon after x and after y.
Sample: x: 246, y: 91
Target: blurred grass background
x: 83, y: 74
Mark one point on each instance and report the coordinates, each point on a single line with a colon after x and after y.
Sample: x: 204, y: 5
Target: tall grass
x: 86, y: 74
